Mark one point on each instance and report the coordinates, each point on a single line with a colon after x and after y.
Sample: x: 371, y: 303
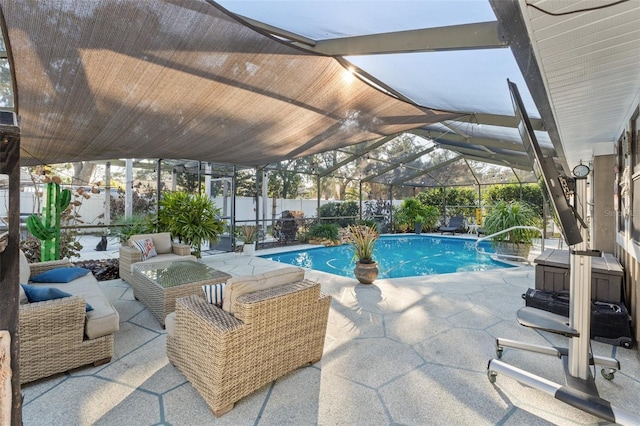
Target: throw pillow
x: 146, y: 247
x: 42, y: 294
x: 60, y: 275
x: 213, y: 293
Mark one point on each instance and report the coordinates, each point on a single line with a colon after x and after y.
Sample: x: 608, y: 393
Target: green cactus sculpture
x: 47, y: 228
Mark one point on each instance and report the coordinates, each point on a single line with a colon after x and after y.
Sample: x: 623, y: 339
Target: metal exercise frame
x: 580, y: 390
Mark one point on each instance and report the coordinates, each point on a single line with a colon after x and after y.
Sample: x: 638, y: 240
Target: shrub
x: 329, y: 231
x: 341, y: 213
x: 503, y: 215
x: 125, y: 228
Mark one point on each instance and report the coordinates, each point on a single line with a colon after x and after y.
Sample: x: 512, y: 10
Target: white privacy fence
x: 92, y: 210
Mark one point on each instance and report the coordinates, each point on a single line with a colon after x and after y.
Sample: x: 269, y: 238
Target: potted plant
x: 362, y: 239
x: 412, y: 214
x: 248, y: 235
x: 191, y: 218
x: 504, y: 215
x: 419, y: 220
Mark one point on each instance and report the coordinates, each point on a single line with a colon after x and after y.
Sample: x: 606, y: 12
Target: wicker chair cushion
x: 25, y: 269
x: 42, y: 294
x: 237, y: 286
x: 170, y: 324
x: 23, y: 299
x: 161, y: 241
x: 60, y: 275
x: 104, y: 319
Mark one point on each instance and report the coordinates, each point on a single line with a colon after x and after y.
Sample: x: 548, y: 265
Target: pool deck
x: 410, y: 351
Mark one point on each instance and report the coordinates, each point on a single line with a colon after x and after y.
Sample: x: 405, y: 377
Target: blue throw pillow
x: 41, y: 294
x: 60, y: 275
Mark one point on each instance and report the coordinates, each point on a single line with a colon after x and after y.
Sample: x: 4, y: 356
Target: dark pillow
x: 41, y: 294
x: 60, y: 275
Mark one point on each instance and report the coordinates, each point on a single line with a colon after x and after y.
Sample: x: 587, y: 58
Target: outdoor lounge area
x: 269, y: 123
x: 402, y: 351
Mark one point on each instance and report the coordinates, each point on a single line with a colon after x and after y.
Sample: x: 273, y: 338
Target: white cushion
x: 22, y: 296
x: 237, y: 286
x: 170, y: 324
x: 25, y: 270
x: 104, y: 318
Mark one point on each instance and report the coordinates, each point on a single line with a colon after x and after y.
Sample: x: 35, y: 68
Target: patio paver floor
x: 408, y: 351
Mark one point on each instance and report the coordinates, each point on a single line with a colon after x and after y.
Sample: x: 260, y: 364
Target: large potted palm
x: 190, y: 218
x: 362, y: 239
x: 507, y: 214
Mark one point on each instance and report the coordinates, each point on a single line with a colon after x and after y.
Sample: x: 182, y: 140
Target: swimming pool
x: 399, y: 256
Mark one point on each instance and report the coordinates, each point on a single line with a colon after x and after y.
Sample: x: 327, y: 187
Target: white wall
x: 89, y: 211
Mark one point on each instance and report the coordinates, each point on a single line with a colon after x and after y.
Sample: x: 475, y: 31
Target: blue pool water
x: 399, y: 256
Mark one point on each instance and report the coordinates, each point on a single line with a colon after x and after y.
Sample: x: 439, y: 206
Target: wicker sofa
x: 59, y: 335
x: 164, y: 246
x: 272, y: 331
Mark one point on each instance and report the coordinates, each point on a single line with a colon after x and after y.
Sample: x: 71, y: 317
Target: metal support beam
x: 426, y: 171
x: 474, y: 36
x: 370, y: 148
x: 403, y: 160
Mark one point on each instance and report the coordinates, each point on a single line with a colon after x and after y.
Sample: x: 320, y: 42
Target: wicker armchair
x: 165, y: 247
x: 273, y: 332
x: 52, y: 334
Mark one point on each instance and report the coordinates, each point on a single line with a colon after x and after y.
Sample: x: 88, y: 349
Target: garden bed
x: 103, y: 269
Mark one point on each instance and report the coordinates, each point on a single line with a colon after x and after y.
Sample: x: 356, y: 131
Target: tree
x: 189, y: 182
x: 246, y: 183
x: 83, y: 173
x: 456, y: 200
x: 528, y: 192
x: 6, y: 90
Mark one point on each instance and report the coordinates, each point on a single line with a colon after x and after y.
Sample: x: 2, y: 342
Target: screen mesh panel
x: 113, y: 79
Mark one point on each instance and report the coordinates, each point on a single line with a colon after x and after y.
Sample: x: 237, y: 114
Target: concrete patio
x: 410, y: 351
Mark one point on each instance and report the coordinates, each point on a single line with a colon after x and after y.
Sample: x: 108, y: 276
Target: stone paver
x: 409, y: 351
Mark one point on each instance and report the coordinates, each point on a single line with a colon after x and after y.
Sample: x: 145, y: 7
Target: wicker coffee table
x: 157, y: 285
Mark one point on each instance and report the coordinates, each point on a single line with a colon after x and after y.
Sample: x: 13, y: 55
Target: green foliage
x: 246, y: 183
x: 191, y: 218
x: 504, y: 215
x: 410, y: 209
x: 530, y: 192
x: 347, y: 213
x: 280, y: 183
x: 247, y: 234
x: 125, y: 228
x: 363, y: 242
x: 328, y: 231
x: 456, y: 199
x: 430, y: 218
x: 371, y: 223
